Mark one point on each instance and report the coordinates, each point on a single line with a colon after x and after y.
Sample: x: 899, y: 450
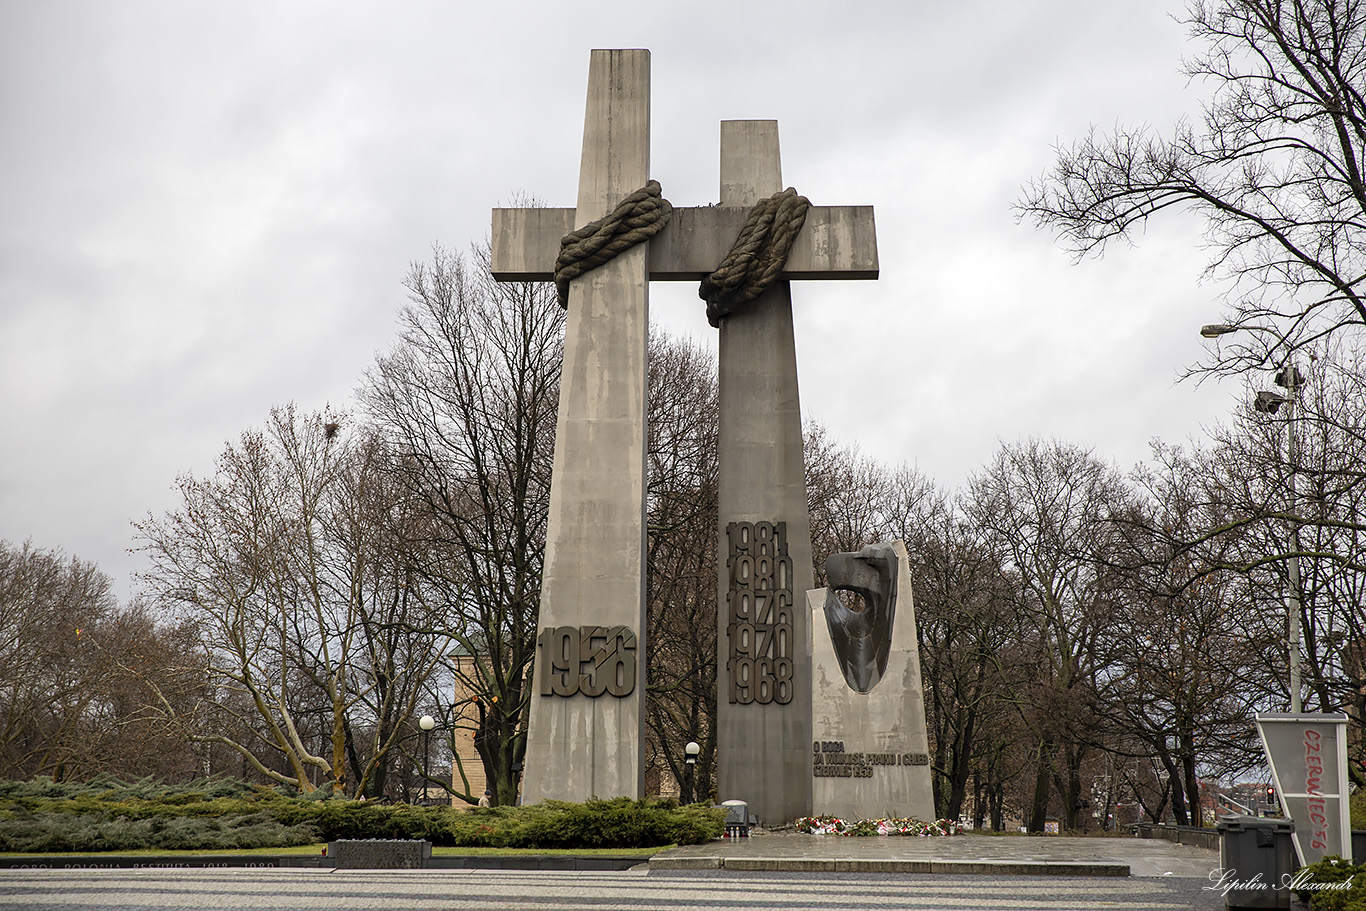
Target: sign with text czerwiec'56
x: 1308, y: 756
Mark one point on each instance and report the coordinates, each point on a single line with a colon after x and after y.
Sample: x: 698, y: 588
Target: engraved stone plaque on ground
x: 379, y: 854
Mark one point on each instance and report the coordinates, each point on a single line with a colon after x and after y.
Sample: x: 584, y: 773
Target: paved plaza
x: 1161, y: 876
x: 1002, y: 855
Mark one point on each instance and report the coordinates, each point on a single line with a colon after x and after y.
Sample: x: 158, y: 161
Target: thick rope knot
x: 758, y: 256
x: 636, y: 219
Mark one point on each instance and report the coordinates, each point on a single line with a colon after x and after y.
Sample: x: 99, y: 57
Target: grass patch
x: 315, y: 848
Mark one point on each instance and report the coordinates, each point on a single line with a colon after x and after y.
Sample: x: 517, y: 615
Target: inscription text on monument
x: 760, y: 628
x: 831, y: 760
x: 591, y: 660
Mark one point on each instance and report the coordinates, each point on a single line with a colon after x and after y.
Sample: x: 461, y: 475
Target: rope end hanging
x: 758, y: 255
x: 635, y: 219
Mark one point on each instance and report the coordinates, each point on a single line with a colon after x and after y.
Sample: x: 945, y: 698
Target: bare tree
x: 49, y: 607
x: 1293, y: 530
x: 400, y: 654
x: 969, y: 657
x: 850, y: 495
x: 466, y: 404
x: 681, y: 559
x: 230, y: 558
x: 284, y: 560
x: 1043, y: 510
x: 1189, y: 649
x: 142, y: 661
x: 1275, y: 170
x: 1328, y: 506
x: 78, y: 673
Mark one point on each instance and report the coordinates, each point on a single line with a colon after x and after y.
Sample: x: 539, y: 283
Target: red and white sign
x: 1308, y: 756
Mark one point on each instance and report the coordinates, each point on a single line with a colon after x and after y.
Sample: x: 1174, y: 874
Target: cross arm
x: 836, y: 242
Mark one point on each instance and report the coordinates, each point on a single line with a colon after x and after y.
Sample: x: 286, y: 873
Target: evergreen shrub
x: 107, y: 815
x: 1328, y: 872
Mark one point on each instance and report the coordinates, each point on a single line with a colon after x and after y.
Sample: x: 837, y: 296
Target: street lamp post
x: 1290, y: 378
x: 690, y: 762
x: 427, y: 723
x: 1269, y: 402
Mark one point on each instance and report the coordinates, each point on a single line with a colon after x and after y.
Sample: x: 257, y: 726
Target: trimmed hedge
x: 60, y: 833
x: 618, y: 823
x: 109, y: 815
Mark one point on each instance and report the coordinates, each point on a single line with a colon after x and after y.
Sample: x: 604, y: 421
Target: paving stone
x: 1071, y: 856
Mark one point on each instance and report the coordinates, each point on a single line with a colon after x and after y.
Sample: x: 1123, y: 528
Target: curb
x: 536, y: 862
x: 162, y: 861
x: 561, y: 862
x: 850, y: 865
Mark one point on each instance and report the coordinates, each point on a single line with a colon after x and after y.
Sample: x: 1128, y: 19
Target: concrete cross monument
x: 586, y: 719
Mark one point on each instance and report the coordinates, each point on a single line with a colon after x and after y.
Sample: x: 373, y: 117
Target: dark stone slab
x: 379, y: 854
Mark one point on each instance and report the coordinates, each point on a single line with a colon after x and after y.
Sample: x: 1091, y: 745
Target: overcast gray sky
x: 206, y: 210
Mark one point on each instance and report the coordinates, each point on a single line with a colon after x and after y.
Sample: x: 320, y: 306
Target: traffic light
x: 1270, y: 794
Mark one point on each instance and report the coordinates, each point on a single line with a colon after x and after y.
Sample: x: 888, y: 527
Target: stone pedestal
x: 870, y: 750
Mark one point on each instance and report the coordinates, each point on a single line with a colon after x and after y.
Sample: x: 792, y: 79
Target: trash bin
x: 1256, y: 857
x: 737, y: 818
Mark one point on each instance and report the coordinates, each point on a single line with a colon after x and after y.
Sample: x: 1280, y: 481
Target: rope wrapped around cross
x: 755, y: 261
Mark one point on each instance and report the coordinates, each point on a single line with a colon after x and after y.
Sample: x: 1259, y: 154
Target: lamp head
x: 1289, y: 377
x: 1269, y: 402
x: 426, y: 722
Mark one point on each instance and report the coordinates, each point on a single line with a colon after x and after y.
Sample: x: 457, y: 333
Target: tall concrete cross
x: 764, y: 566
x: 585, y: 729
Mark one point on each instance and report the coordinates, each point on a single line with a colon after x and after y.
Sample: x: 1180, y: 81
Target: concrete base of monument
x: 870, y: 750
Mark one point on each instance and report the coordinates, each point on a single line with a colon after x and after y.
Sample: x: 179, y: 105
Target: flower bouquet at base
x: 833, y: 825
